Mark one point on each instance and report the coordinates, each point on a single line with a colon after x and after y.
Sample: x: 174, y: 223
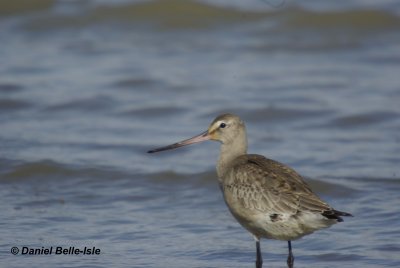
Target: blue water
x: 86, y: 88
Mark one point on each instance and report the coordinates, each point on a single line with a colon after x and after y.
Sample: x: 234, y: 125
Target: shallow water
x: 86, y: 88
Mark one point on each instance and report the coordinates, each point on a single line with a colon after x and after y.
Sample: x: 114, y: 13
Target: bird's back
x: 272, y: 200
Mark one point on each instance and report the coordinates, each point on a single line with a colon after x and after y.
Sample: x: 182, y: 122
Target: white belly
x: 280, y: 226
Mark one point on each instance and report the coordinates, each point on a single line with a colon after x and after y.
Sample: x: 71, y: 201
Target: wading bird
x: 267, y: 198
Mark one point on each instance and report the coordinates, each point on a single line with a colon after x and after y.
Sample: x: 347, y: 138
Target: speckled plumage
x: 271, y: 200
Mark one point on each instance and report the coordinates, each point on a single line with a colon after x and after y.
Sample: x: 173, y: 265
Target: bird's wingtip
x: 336, y: 215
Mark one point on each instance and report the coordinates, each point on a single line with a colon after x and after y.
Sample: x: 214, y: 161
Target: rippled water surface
x: 87, y: 87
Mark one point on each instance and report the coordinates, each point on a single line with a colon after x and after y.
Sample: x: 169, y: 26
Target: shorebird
x: 266, y: 197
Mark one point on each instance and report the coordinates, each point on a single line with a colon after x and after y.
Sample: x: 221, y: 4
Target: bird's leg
x: 259, y: 257
x: 290, y: 258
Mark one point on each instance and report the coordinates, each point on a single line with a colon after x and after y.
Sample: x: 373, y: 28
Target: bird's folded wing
x: 266, y: 185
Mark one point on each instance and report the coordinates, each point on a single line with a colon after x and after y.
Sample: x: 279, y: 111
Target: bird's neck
x: 229, y: 152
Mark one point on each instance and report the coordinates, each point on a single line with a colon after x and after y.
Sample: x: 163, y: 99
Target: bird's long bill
x: 199, y: 138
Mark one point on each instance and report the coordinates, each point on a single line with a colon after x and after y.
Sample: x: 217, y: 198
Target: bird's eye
x: 222, y: 125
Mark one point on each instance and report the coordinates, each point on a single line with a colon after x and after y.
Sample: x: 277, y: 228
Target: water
x: 87, y: 87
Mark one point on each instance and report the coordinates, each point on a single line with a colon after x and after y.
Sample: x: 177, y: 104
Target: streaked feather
x: 255, y: 185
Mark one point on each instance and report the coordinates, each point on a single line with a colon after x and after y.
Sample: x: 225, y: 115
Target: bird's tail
x: 335, y: 214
